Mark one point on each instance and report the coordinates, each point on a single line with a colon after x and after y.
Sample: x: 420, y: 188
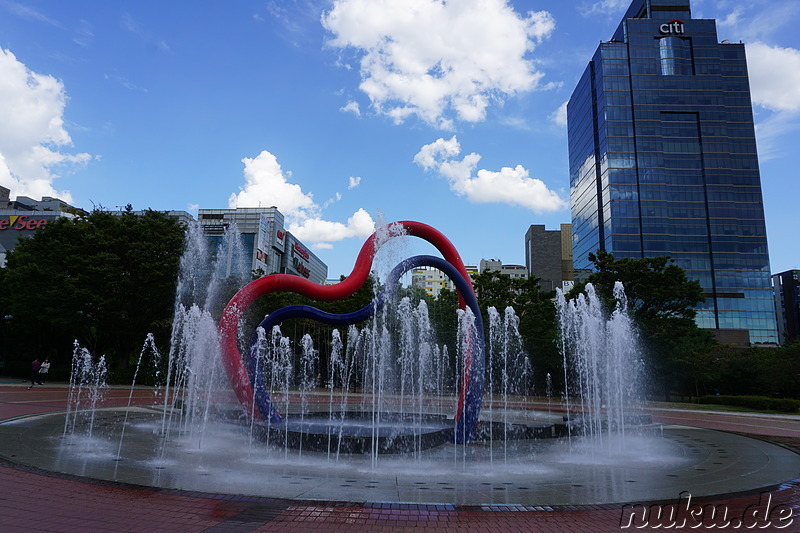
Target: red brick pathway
x: 32, y: 500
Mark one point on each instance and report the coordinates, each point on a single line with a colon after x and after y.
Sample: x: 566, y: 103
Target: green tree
x: 756, y: 371
x: 783, y: 370
x: 443, y: 312
x: 101, y: 279
x: 537, y: 317
x: 662, y: 301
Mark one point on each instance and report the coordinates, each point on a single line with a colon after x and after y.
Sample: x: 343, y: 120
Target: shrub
x: 762, y: 403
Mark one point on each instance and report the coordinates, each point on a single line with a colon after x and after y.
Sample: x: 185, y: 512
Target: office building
x: 663, y: 162
x: 786, y: 287
x: 548, y: 256
x: 270, y: 247
x: 25, y: 216
x: 433, y: 281
x: 512, y: 271
x: 184, y: 218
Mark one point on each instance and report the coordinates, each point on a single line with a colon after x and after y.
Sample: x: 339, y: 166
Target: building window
x: 676, y: 56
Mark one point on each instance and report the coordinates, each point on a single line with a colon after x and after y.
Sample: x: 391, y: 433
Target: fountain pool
x: 393, y: 416
x: 657, y: 464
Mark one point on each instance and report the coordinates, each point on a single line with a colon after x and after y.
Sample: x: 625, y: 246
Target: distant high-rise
x: 270, y: 248
x: 548, y: 255
x: 787, y: 304
x: 663, y: 162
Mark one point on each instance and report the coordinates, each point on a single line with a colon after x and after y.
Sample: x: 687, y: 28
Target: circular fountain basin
x: 659, y: 463
x: 359, y: 432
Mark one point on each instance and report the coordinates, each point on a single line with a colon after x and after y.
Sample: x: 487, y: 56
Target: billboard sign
x: 262, y: 243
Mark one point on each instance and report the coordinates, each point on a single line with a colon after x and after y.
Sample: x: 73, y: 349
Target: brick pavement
x: 32, y: 500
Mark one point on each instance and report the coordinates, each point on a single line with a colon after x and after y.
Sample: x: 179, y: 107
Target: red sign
x: 301, y: 268
x: 21, y: 222
x: 301, y: 252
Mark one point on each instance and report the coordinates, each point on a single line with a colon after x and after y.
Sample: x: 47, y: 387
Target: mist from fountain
x: 389, y: 374
x: 603, y: 365
x: 509, y: 371
x: 87, y: 385
x: 194, y: 380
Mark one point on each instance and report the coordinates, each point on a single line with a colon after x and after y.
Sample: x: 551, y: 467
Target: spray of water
x: 602, y: 364
x: 87, y: 386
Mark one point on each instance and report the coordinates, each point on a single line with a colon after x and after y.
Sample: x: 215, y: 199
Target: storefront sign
x: 301, y: 251
x: 301, y: 268
x: 21, y: 222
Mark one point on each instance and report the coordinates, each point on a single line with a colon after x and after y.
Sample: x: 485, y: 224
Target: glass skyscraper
x: 663, y: 162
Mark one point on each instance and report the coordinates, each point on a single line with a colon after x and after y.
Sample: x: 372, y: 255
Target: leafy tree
x: 655, y: 286
x: 444, y: 318
x: 102, y: 279
x: 772, y: 372
x: 662, y: 301
x: 782, y: 370
x: 537, y: 316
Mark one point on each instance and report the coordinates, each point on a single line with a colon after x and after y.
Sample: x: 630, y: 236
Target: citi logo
x: 673, y: 27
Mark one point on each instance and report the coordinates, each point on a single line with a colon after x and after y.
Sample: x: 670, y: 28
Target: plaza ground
x: 36, y: 500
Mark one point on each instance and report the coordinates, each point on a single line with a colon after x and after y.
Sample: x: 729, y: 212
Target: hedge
x: 762, y: 403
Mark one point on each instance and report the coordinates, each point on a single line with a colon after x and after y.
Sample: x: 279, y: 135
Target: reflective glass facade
x: 663, y: 161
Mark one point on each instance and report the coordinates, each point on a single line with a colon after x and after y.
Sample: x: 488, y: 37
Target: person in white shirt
x: 43, y: 371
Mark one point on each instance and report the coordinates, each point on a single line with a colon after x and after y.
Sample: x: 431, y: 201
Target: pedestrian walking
x: 44, y: 370
x: 35, y: 366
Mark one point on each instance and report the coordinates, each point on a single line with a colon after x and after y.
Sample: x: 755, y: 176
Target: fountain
x: 604, y: 391
x: 370, y: 406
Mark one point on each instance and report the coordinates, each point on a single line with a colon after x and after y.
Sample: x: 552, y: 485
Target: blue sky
x: 344, y: 113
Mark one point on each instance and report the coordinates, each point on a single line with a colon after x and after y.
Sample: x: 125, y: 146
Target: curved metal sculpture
x: 247, y: 382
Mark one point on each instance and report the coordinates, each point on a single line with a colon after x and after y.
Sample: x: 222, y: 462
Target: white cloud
x: 559, y: 116
x: 355, y: 181
x: 437, y: 60
x: 266, y: 185
x: 604, y: 7
x: 330, y: 201
x: 733, y: 18
x: 430, y: 154
x: 774, y: 70
x: 323, y: 232
x: 512, y: 186
x: 755, y: 21
x: 774, y: 76
x: 351, y: 107
x: 31, y: 130
x: 772, y: 133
